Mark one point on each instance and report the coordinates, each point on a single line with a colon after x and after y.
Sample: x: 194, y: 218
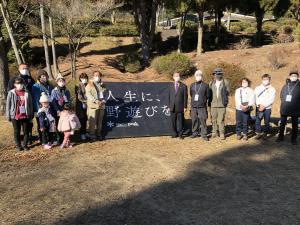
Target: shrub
x: 269, y: 27
x: 244, y: 43
x: 288, y: 21
x: 286, y: 29
x: 235, y: 29
x: 297, y: 33
x: 173, y: 62
x: 232, y: 72
x: 283, y: 38
x: 119, y: 30
x: 250, y: 30
x: 275, y: 57
x: 130, y: 63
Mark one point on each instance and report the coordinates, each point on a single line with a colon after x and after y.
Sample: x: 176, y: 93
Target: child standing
x: 19, y: 110
x: 68, y: 123
x: 46, y: 121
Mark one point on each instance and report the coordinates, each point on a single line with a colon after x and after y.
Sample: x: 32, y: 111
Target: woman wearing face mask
x: 290, y: 106
x: 41, y: 86
x: 81, y: 104
x: 244, y: 101
x: 19, y: 110
x: 60, y: 96
x: 24, y: 74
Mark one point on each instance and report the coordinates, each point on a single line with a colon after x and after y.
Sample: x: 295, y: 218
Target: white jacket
x: 265, y: 96
x: 243, y: 95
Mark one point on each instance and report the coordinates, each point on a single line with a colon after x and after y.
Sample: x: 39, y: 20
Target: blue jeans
x: 267, y: 117
x: 242, y: 122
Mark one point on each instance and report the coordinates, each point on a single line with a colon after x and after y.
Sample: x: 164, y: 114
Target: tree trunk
x: 73, y: 65
x: 11, y: 36
x: 45, y: 41
x: 200, y: 32
x: 259, y: 14
x: 53, y: 47
x: 113, y: 17
x: 4, y: 76
x: 181, y: 31
x: 153, y: 22
x: 228, y: 20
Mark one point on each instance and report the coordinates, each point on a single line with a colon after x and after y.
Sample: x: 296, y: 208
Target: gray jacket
x: 11, y: 103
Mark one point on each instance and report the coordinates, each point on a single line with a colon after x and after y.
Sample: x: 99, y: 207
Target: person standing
x: 199, y: 92
x: 41, y: 86
x: 290, y: 106
x: 60, y: 96
x: 95, y: 94
x: 244, y: 101
x: 178, y: 97
x: 28, y: 82
x: 264, y: 98
x: 19, y: 110
x: 81, y: 104
x: 219, y: 92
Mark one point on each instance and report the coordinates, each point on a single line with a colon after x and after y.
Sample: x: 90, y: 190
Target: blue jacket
x: 59, y: 97
x: 36, y: 93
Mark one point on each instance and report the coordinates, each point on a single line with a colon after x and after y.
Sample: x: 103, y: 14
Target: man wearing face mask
x: 28, y: 83
x: 96, y: 92
x: 264, y: 98
x: 60, y: 96
x: 199, y: 92
x: 219, y: 92
x: 290, y: 106
x: 178, y: 97
x: 19, y: 112
x: 81, y: 104
x: 41, y: 86
x: 24, y: 74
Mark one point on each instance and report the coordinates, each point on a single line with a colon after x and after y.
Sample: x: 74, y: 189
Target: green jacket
x: 221, y: 100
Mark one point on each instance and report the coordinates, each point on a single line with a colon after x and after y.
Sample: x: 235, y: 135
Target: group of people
x: 215, y: 96
x: 51, y: 106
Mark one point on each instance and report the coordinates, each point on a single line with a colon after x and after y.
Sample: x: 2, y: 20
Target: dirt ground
x: 156, y: 180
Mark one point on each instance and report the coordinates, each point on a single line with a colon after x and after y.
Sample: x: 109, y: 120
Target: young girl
x: 46, y: 121
x: 68, y: 123
x: 19, y: 110
x: 244, y: 100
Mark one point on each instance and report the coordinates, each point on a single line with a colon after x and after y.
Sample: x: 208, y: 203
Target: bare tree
x: 9, y: 27
x: 53, y: 46
x: 45, y: 41
x: 75, y: 17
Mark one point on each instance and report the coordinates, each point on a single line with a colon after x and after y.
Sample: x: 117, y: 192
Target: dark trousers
x: 47, y: 137
x: 39, y: 131
x: 266, y: 115
x: 83, y: 122
x: 177, y: 122
x: 199, y: 117
x: 242, y: 122
x: 18, y: 125
x: 295, y: 123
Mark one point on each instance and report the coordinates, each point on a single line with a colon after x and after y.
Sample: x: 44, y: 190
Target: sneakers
x: 245, y: 138
x: 83, y: 137
x: 47, y: 146
x: 258, y: 136
x: 54, y: 143
x: 222, y: 137
x: 213, y: 135
x: 239, y: 137
x: 194, y: 135
x: 19, y: 148
x: 280, y: 139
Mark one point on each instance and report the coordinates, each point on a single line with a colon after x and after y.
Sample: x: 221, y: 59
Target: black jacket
x: 178, y: 101
x: 27, y: 79
x: 202, y: 89
x: 290, y: 108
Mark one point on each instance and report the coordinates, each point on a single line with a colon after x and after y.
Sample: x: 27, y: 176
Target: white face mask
x: 61, y: 83
x: 97, y: 79
x: 198, y: 78
x: 19, y: 86
x: 24, y: 72
x: 84, y: 81
x: 293, y: 78
x: 265, y: 82
x: 177, y: 79
x: 244, y: 85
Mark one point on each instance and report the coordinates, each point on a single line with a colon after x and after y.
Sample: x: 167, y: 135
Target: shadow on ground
x: 251, y: 184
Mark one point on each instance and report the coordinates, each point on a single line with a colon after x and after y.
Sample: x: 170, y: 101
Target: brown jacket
x: 94, y: 93
x: 81, y: 101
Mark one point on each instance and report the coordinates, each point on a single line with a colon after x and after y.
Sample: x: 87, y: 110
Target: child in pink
x: 68, y: 123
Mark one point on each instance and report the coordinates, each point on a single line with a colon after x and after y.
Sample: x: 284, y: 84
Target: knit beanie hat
x: 44, y: 97
x: 41, y: 72
x: 59, y: 77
